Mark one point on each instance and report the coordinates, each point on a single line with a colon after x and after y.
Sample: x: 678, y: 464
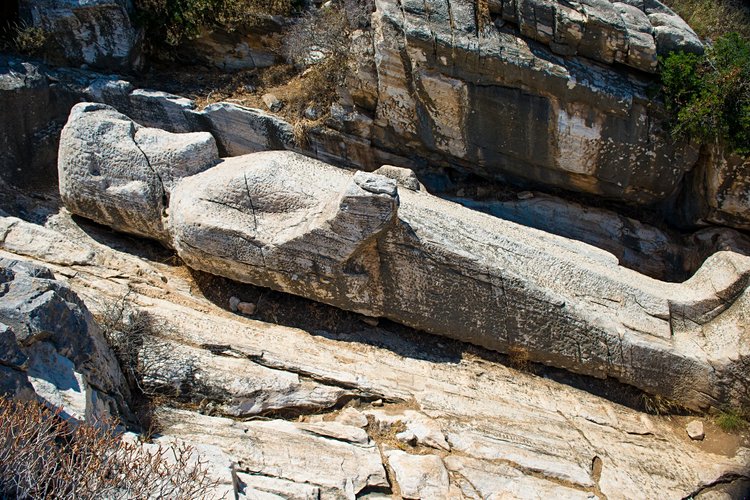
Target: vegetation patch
x: 731, y: 420
x: 708, y: 96
x: 712, y: 19
x: 20, y: 38
x: 171, y: 22
x: 42, y: 455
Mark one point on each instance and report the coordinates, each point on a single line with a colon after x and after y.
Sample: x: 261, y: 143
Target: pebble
x: 407, y: 437
x: 233, y: 303
x: 272, y: 102
x: 247, y: 308
x: 368, y: 320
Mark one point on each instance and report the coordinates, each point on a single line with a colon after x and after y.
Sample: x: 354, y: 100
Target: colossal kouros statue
x: 378, y: 244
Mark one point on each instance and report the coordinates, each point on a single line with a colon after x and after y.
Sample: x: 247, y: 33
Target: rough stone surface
x: 33, y: 111
x: 695, y: 430
x: 53, y: 349
x: 442, y: 83
x: 400, y: 256
x: 233, y: 51
x: 403, y: 176
x: 121, y: 174
x: 240, y: 130
x: 650, y: 250
x: 511, y: 433
x: 628, y: 32
x: 368, y: 244
x: 98, y: 33
x: 719, y: 192
x: 419, y: 476
x: 289, y: 451
x: 483, y: 479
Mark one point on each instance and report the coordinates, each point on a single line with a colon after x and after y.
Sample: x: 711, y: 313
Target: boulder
x: 419, y: 476
x: 97, y: 33
x: 240, y: 130
x: 53, y: 349
x: 356, y: 241
x: 673, y: 34
x: 120, y: 174
x: 695, y: 431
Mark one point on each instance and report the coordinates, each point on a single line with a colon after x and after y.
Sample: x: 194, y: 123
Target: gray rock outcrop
x: 492, y: 102
x: 98, y: 33
x: 53, y: 349
x: 358, y: 242
x: 630, y: 32
x: 33, y: 110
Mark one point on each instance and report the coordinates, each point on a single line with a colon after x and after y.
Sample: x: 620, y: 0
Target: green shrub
x: 708, y: 96
x: 170, y: 22
x: 731, y: 420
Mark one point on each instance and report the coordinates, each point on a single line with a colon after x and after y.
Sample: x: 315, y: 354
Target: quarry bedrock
x: 361, y: 242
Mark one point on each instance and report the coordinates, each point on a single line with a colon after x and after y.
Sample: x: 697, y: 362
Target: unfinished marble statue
x: 366, y: 243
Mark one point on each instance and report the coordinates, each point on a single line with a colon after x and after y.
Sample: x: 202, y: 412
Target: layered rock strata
x: 361, y: 243
x: 492, y: 102
x: 489, y: 429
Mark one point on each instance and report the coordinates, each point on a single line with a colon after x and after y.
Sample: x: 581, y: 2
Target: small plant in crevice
x: 660, y: 405
x: 731, y: 420
x: 168, y: 23
x: 24, y: 39
x: 519, y: 359
x: 125, y: 329
x: 42, y: 455
x: 148, y: 363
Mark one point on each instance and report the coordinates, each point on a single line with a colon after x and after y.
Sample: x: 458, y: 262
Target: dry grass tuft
x: 714, y: 18
x: 44, y: 456
x: 519, y: 359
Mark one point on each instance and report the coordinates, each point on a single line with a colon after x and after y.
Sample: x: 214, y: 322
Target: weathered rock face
x: 121, y: 174
x: 356, y: 241
x: 497, y: 431
x: 33, y: 110
x: 655, y: 252
x: 98, y: 33
x: 492, y: 102
x: 720, y: 190
x: 234, y: 51
x: 630, y: 33
x: 241, y: 130
x: 52, y: 348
